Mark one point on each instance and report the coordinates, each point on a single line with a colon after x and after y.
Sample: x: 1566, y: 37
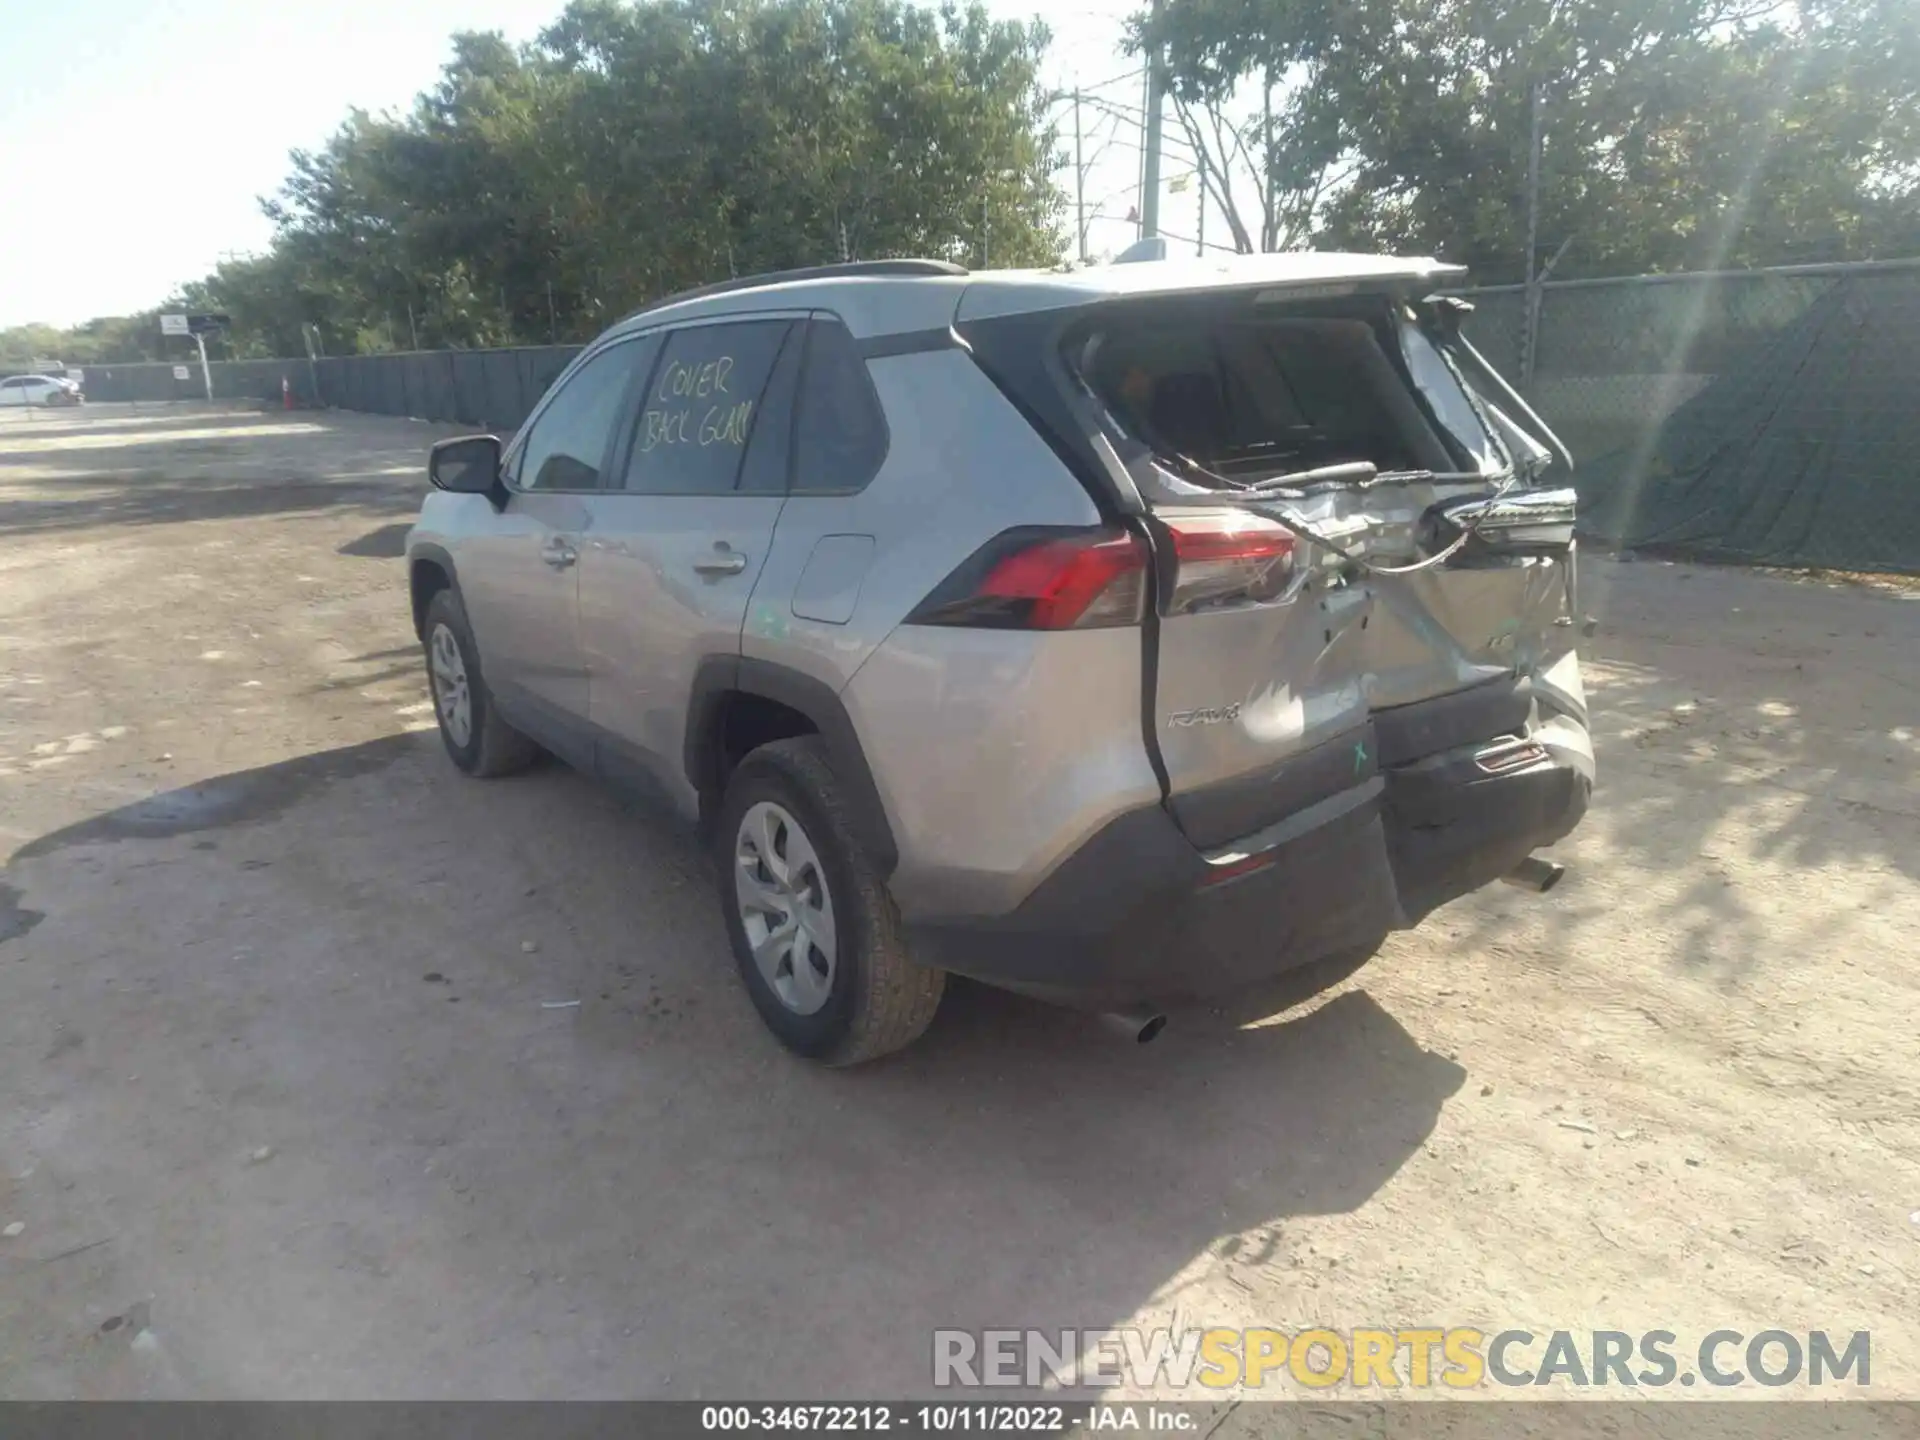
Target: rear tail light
x: 1227, y: 557
x: 1044, y: 579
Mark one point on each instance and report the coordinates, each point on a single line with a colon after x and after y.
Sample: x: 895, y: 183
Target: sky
x: 137, y: 136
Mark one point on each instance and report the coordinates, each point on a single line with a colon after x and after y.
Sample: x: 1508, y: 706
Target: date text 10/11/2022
x: 908, y: 1419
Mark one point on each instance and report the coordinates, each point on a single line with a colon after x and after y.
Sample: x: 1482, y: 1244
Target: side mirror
x: 469, y: 465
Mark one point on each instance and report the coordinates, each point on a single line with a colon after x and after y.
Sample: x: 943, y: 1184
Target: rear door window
x: 701, y: 408
x: 769, y: 459
x: 840, y: 434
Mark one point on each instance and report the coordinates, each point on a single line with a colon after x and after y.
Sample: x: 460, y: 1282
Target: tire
x: 870, y: 997
x: 484, y: 746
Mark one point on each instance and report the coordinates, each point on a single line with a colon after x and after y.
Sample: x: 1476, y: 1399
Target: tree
x: 1259, y: 87
x: 1675, y: 133
x: 114, y: 340
x: 633, y: 150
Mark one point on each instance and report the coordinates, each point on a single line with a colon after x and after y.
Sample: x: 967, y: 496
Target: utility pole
x: 307, y: 333
x: 1150, y: 178
x: 206, y: 371
x: 1200, y: 230
x: 413, y: 330
x: 1530, y: 337
x: 986, y: 230
x: 1079, y: 183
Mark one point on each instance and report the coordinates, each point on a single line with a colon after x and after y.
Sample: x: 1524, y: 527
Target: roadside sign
x: 181, y: 372
x: 174, y: 325
x: 206, y: 324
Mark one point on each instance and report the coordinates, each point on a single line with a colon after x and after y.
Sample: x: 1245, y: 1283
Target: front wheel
x: 815, y: 934
x: 478, y: 741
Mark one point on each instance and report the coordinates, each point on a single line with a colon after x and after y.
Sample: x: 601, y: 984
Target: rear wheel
x: 478, y: 741
x: 815, y: 934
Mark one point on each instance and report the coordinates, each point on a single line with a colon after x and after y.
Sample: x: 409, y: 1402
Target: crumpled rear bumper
x: 1139, y: 915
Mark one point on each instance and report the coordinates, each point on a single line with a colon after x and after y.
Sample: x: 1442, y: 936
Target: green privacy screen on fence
x: 1767, y: 417
x: 1804, y: 452
x: 488, y: 389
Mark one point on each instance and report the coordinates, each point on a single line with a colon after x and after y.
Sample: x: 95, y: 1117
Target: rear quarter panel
x: 998, y: 753
x: 994, y: 752
x: 962, y: 465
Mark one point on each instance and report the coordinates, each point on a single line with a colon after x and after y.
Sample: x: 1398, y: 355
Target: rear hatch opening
x: 1229, y: 392
x: 1313, y: 470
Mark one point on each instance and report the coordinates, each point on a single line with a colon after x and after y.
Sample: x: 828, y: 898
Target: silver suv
x: 1112, y: 635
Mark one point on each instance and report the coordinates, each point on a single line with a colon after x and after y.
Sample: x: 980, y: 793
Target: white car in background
x: 39, y: 390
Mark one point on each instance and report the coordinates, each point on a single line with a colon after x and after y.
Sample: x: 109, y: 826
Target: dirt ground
x: 284, y: 1111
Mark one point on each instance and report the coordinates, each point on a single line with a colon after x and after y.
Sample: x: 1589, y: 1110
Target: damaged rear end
x: 1360, y: 688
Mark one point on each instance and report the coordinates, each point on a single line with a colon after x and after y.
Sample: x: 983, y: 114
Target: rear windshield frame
x: 1383, y: 312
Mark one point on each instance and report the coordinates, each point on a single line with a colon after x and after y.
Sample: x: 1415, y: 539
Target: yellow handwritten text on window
x: 717, y: 425
x: 680, y: 381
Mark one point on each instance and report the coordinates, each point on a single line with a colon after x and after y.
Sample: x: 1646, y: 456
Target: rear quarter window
x: 840, y: 435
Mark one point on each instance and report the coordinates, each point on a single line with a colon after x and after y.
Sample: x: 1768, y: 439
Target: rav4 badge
x: 1212, y: 715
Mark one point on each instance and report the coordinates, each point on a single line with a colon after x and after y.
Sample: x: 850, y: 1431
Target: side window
x: 840, y: 438
x: 567, y: 444
x: 701, y: 408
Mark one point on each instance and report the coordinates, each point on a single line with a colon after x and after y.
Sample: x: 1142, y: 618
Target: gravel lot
x: 282, y: 1113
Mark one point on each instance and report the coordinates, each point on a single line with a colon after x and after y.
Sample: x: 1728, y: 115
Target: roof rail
x: 853, y: 269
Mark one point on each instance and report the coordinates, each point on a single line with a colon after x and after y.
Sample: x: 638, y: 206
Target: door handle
x: 559, y: 554
x: 723, y: 561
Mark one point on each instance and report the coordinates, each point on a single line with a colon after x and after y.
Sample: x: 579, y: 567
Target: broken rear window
x: 1255, y: 394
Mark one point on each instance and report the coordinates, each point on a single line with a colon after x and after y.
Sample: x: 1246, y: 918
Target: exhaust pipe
x: 1535, y: 874
x: 1137, y: 1025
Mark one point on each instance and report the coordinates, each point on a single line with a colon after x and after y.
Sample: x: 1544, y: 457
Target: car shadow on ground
x: 1699, y: 739
x: 191, y: 467
x: 157, y: 501
x: 1019, y: 1164
x: 239, y: 798
x: 388, y: 542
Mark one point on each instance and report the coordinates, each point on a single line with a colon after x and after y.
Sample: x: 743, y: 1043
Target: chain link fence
x: 1767, y: 417
x: 488, y: 389
x: 1614, y: 358
x: 160, y: 383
